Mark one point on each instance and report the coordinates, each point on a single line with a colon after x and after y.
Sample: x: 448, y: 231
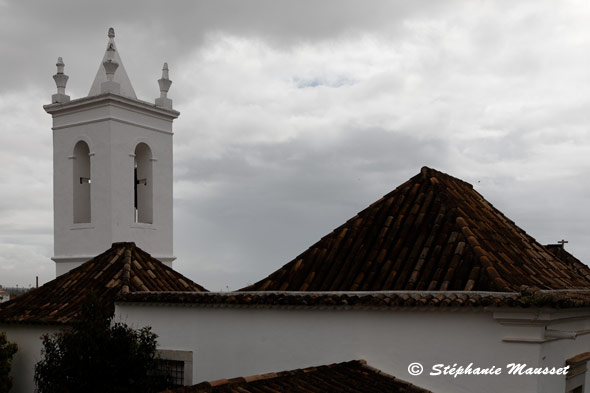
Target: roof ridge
x: 433, y: 232
x: 428, y: 173
x: 120, y: 270
x: 456, y: 201
x: 146, y: 258
x: 126, y: 270
x: 482, y: 255
x: 480, y: 252
x: 487, y: 262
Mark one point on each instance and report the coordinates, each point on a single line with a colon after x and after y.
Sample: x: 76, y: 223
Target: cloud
x: 21, y: 263
x: 423, y: 101
x: 245, y: 212
x: 296, y: 115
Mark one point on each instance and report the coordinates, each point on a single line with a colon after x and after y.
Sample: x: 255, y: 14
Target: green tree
x: 95, y: 355
x: 7, y: 351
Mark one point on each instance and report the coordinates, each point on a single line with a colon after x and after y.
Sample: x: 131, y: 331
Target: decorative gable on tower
x: 120, y: 76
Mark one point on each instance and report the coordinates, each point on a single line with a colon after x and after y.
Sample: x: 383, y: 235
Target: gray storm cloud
x: 297, y: 115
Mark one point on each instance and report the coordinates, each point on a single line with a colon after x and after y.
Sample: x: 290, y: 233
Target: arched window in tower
x: 143, y: 184
x: 81, y: 183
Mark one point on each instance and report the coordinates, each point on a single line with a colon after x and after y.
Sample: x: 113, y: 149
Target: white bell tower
x: 112, y: 166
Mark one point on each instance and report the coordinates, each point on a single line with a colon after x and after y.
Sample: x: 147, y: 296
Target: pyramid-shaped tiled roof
x: 124, y: 268
x: 434, y: 232
x: 572, y: 262
x: 348, y: 377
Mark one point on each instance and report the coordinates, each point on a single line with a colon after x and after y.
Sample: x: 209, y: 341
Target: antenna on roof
x: 562, y: 242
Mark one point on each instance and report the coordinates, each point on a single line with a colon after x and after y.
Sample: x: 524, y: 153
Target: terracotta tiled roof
x: 349, y: 377
x: 572, y: 262
x: 124, y: 268
x: 527, y: 297
x: 434, y: 232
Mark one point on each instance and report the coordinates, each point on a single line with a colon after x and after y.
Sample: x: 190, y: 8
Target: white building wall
x: 231, y: 342
x: 28, y: 339
x: 112, y: 131
x: 4, y: 296
x: 565, y: 349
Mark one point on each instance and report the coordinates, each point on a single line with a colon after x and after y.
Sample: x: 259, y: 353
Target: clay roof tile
x: 107, y: 275
x: 353, y: 377
x: 434, y: 232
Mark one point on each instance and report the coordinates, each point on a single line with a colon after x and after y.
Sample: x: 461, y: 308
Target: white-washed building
x: 112, y: 160
x: 431, y: 274
x: 4, y: 295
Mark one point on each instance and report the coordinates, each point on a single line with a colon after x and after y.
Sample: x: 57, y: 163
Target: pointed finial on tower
x: 164, y: 84
x: 112, y: 53
x: 61, y: 80
x: 60, y: 65
x: 110, y: 66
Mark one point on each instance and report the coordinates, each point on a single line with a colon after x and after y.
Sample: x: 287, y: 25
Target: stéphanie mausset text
x: 511, y: 368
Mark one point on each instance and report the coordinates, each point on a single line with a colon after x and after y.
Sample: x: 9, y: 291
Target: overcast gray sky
x: 295, y: 115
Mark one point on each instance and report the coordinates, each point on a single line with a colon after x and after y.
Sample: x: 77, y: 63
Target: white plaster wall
x: 28, y: 338
x: 74, y: 240
x: 558, y: 351
x: 155, y: 238
x: 231, y: 342
x: 112, y: 132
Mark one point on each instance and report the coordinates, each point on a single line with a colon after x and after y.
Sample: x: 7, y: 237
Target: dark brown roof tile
x: 349, y: 377
x: 434, y: 232
x: 124, y: 268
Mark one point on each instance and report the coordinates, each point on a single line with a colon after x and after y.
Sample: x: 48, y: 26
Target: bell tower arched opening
x: 82, y: 183
x: 143, y: 188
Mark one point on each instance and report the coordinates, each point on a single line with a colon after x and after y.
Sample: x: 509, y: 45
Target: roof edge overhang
x: 109, y: 99
x: 377, y: 300
x: 56, y: 324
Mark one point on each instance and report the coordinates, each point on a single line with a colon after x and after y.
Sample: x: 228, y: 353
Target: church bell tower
x: 112, y: 166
